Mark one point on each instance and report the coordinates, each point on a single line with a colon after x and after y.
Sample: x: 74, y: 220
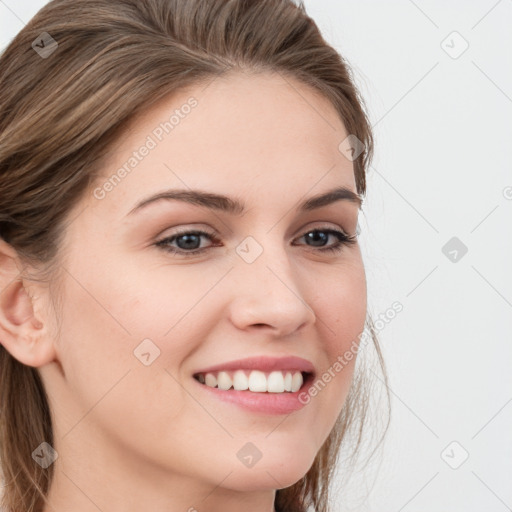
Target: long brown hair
x: 70, y: 81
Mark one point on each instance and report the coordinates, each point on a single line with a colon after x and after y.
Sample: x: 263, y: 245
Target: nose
x: 268, y: 294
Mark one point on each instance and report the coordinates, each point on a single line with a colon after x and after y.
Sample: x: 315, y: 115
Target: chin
x: 261, y: 480
x: 275, y: 470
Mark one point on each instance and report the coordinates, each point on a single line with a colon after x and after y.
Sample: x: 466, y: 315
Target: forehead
x: 250, y: 133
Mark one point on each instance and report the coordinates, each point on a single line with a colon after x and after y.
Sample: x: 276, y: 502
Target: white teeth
x: 256, y: 381
x: 210, y: 380
x: 240, y: 381
x: 275, y: 382
x: 296, y: 381
x: 224, y: 381
x: 288, y: 381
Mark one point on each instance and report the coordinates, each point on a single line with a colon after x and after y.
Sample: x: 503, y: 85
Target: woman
x: 183, y: 294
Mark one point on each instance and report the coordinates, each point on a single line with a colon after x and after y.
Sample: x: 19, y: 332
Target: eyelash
x: 343, y: 240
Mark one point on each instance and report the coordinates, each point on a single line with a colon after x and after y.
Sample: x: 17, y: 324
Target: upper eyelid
x: 214, y: 232
x: 215, y: 237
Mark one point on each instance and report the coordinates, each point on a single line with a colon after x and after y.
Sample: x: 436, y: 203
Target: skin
x: 132, y: 437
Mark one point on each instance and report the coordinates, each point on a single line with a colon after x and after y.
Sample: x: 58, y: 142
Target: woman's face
x: 139, y: 322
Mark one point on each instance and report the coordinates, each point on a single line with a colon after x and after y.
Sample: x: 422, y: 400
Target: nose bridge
x: 268, y: 292
x: 261, y: 256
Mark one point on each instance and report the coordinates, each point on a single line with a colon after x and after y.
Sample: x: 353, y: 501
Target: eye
x: 189, y: 241
x: 342, y: 239
x: 186, y: 240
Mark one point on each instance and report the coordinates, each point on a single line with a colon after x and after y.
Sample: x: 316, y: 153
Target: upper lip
x: 263, y: 363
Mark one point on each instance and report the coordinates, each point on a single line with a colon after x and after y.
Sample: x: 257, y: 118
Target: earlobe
x: 22, y: 334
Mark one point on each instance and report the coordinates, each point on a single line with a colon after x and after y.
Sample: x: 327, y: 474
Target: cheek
x: 341, y: 316
x: 95, y: 343
x: 104, y: 340
x: 341, y: 308
x: 140, y: 322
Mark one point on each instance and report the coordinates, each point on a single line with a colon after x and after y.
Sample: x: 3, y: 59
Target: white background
x: 443, y: 129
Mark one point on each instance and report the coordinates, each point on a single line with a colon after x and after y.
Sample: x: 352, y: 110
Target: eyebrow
x: 235, y: 207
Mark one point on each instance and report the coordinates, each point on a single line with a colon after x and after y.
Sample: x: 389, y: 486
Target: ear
x: 22, y: 333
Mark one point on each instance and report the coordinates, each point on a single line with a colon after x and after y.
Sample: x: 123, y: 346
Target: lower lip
x: 267, y: 403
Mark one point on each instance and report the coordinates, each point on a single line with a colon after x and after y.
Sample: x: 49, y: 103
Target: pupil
x: 317, y: 234
x: 188, y: 239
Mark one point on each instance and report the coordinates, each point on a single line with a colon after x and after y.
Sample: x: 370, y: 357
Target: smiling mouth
x: 277, y: 381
